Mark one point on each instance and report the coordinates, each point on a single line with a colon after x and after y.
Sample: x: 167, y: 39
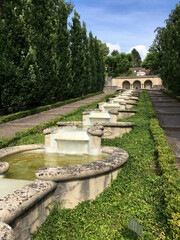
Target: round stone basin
x: 23, y: 165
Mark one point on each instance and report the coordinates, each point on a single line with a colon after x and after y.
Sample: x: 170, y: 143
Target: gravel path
x: 168, y: 113
x: 10, y: 128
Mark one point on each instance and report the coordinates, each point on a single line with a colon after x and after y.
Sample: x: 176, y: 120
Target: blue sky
x: 124, y: 24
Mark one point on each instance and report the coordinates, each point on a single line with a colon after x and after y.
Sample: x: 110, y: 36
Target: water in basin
x: 24, y: 165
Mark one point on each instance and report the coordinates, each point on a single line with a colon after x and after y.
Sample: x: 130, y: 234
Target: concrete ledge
x: 115, y: 129
x: 115, y: 124
x: 4, y: 167
x: 122, y: 113
x: 19, y: 201
x: 6, y: 232
x: 114, y: 161
x: 116, y: 111
x: 11, y: 150
x: 62, y: 124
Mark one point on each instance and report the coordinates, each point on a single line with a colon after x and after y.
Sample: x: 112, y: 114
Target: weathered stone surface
x: 50, y: 130
x: 20, y: 200
x: 116, y: 111
x: 62, y: 124
x: 115, y: 124
x: 6, y: 232
x: 4, y: 167
x: 114, y: 161
x: 88, y: 111
x: 11, y: 150
x: 96, y: 130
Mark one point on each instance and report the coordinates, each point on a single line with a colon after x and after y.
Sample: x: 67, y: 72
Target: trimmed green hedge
x: 171, y: 177
x: 22, y: 114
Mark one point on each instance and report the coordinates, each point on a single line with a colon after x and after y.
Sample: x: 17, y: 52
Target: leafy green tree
x: 119, y: 65
x: 151, y: 62
x: 115, y: 53
x: 136, y: 58
x: 104, y: 48
x: 165, y: 51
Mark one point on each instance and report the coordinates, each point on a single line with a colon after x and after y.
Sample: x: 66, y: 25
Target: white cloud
x: 142, y: 49
x: 113, y: 47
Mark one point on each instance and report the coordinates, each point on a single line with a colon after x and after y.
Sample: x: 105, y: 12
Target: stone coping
x: 4, y: 167
x: 96, y: 130
x: 88, y: 111
x: 145, y: 76
x: 116, y: 159
x: 11, y: 150
x: 129, y: 103
x: 16, y: 203
x: 6, y: 232
x: 115, y: 124
x: 77, y: 123
x: 116, y: 111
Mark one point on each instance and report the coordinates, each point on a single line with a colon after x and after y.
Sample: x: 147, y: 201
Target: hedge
x: 22, y: 114
x: 171, y: 177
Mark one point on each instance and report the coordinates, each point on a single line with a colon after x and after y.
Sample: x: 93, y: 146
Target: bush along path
x: 138, y: 192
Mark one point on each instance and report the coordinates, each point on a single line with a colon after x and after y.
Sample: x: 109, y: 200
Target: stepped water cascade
x: 69, y: 183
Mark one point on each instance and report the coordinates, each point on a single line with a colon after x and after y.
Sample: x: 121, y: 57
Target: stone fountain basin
x: 116, y: 159
x: 24, y: 210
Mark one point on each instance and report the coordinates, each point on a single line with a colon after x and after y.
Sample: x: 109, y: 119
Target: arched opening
x: 148, y: 84
x: 126, y: 85
x: 137, y: 84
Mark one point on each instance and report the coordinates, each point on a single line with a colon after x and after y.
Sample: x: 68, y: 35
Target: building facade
x: 137, y: 82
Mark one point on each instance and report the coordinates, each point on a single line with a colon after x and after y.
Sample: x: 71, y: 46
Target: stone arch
x: 126, y: 85
x: 136, y: 84
x: 148, y: 84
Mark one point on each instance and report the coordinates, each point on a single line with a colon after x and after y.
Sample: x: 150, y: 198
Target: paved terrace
x: 10, y: 128
x: 168, y: 112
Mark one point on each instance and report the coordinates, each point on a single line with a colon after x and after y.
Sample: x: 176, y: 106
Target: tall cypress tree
x: 92, y: 62
x: 87, y: 67
x: 77, y: 55
x: 136, y: 57
x: 63, y: 84
x: 12, y: 47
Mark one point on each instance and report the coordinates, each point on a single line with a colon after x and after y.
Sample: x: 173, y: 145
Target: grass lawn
x: 137, y: 192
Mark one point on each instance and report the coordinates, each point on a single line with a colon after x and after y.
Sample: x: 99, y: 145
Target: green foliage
x: 104, y: 48
x: 151, y: 62
x: 136, y: 58
x: 77, y: 55
x: 119, y: 65
x: 171, y: 178
x: 115, y: 53
x: 41, y: 59
x: 21, y: 114
x: 86, y: 75
x: 165, y: 51
x: 137, y: 192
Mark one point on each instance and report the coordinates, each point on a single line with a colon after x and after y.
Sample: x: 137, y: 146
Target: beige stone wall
x: 73, y: 192
x: 133, y: 81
